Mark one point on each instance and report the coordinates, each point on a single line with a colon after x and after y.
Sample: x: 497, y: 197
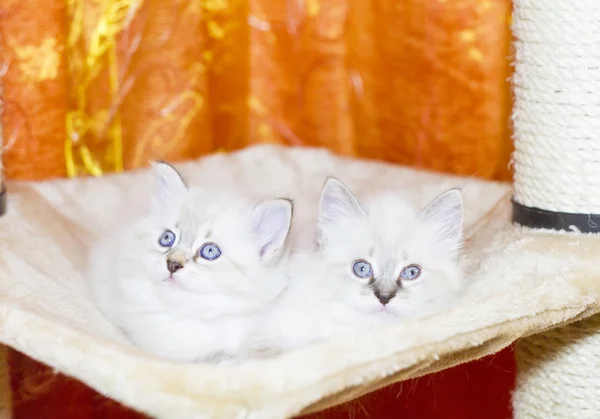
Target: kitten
x: 190, y: 281
x: 375, y: 262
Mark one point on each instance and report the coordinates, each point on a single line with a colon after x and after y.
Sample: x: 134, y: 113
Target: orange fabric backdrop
x: 93, y: 86
x: 100, y: 85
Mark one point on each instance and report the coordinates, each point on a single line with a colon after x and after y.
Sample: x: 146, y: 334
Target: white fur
x: 208, y: 308
x: 325, y: 298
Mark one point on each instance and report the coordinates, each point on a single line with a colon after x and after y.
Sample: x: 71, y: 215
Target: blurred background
x: 91, y: 87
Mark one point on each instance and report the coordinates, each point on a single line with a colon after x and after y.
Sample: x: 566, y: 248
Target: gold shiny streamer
x: 86, y: 63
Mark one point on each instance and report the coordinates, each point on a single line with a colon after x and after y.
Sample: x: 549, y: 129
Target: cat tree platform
x: 523, y: 282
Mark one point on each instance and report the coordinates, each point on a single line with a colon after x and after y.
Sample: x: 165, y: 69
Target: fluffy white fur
x: 326, y: 298
x: 206, y: 309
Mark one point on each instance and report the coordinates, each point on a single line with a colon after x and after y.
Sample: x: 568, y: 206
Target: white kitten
x: 374, y: 263
x: 191, y: 280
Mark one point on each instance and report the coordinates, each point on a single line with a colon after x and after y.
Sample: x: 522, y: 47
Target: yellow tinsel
x: 86, y: 60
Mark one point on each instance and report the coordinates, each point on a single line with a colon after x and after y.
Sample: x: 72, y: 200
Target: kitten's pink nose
x: 174, y: 265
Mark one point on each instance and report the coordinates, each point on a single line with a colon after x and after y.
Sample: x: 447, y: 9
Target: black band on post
x: 539, y: 218
x: 2, y: 201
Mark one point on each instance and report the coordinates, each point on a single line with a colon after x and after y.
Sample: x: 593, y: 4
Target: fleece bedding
x: 521, y: 282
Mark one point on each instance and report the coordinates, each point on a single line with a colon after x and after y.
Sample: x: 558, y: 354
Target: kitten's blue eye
x: 410, y: 272
x: 362, y: 269
x: 209, y: 251
x: 167, y: 239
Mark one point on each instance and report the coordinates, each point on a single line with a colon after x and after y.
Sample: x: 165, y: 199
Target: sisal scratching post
x: 557, y: 186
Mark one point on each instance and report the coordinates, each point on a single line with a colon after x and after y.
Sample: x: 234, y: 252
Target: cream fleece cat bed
x: 524, y: 282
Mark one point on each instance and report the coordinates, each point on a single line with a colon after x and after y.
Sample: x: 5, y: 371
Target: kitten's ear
x: 337, y: 202
x: 169, y: 190
x: 445, y: 215
x: 271, y: 223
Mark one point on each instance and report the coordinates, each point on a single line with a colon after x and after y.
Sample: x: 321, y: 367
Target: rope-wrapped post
x: 557, y: 186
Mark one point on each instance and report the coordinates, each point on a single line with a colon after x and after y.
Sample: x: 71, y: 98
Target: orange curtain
x: 95, y: 86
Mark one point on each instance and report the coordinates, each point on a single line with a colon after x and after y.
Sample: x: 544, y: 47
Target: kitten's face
x: 211, y: 244
x: 384, y: 257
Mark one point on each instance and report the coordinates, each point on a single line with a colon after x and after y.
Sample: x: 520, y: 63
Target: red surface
x: 479, y: 390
